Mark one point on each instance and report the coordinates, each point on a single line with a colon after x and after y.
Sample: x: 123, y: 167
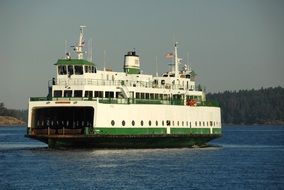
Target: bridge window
x: 57, y: 93
x: 62, y: 70
x: 87, y: 69
x: 70, y: 70
x: 67, y: 93
x: 78, y: 70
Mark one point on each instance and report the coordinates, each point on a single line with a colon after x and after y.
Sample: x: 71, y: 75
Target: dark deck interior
x: 63, y: 117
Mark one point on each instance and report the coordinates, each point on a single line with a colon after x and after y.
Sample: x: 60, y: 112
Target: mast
x: 79, y: 48
x: 176, y: 62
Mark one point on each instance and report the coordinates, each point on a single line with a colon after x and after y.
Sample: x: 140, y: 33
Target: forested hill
x: 263, y: 106
x: 10, y: 116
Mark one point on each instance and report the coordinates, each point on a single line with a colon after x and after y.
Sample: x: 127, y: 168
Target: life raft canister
x: 191, y: 102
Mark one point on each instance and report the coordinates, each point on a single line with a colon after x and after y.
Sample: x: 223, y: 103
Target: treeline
x: 19, y: 114
x: 263, y: 106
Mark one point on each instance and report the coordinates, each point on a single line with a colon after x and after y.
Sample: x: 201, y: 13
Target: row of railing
x: 143, y: 84
x: 171, y: 101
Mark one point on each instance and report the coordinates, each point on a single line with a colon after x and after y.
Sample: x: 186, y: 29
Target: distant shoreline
x: 6, y: 121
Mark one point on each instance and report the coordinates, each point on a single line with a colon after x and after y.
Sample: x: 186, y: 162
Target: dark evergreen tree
x: 251, y: 106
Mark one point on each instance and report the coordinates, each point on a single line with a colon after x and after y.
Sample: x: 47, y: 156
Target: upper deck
x: 79, y: 78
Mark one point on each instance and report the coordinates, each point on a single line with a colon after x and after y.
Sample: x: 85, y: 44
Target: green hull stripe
x: 190, y: 131
x: 217, y: 130
x: 130, y: 131
x: 159, y: 131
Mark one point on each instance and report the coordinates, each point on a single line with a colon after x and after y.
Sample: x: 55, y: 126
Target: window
x: 88, y: 94
x: 137, y: 95
x: 67, y: 93
x: 177, y: 123
x: 123, y: 123
x: 78, y: 70
x: 150, y: 123
x: 157, y: 123
x: 57, y: 93
x: 62, y: 70
x: 182, y: 123
x: 186, y: 123
x: 156, y: 96
x: 168, y: 123
x: 86, y: 69
x: 112, y: 122
x: 142, y: 123
x: 109, y: 94
x: 78, y: 93
x: 98, y: 94
x: 147, y: 95
x: 70, y: 70
x: 163, y: 123
x: 133, y: 122
x: 118, y: 95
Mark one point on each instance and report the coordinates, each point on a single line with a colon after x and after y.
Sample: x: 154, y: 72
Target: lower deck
x: 62, y: 122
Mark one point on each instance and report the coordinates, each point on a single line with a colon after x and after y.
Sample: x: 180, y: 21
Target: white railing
x: 100, y: 82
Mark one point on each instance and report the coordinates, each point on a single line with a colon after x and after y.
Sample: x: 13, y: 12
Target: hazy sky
x: 232, y: 44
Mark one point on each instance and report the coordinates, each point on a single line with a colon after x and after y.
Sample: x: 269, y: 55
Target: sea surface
x: 245, y: 157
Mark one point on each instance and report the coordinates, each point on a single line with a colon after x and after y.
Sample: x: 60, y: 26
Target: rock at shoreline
x: 8, y: 121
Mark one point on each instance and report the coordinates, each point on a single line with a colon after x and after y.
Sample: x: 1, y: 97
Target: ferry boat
x: 87, y: 107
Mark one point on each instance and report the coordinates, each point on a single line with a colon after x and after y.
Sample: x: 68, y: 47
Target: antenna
x: 104, y: 60
x: 157, y: 74
x: 65, y: 48
x: 90, y: 52
x: 176, y: 62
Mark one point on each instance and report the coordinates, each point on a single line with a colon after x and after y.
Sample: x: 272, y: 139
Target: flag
x: 169, y: 55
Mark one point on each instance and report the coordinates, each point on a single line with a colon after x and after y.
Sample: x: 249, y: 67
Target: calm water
x: 246, y: 157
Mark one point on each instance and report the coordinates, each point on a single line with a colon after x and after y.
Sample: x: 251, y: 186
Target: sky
x: 231, y: 44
